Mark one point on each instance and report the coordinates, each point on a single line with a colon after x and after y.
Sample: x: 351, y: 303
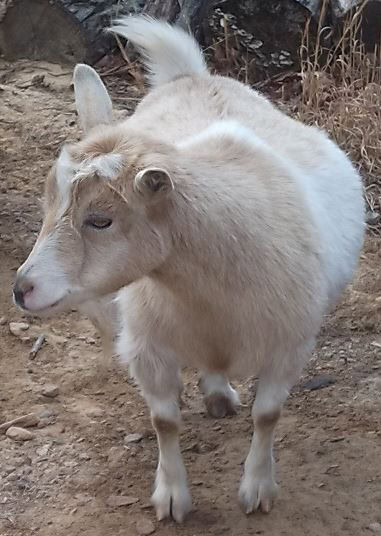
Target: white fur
x: 224, y: 129
x: 169, y: 52
x: 91, y: 98
x: 45, y: 272
x: 66, y: 170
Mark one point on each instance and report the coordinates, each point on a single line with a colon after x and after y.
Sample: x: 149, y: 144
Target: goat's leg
x: 161, y: 386
x: 103, y: 314
x: 219, y: 396
x: 258, y: 488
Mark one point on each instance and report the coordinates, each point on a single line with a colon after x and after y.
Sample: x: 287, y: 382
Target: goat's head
x: 105, y: 203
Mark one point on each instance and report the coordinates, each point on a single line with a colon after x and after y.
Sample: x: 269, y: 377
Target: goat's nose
x: 21, y: 288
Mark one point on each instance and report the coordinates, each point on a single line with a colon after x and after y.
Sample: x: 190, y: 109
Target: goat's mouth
x: 56, y: 303
x: 46, y: 310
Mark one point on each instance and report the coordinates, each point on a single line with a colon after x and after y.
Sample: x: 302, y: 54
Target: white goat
x: 230, y: 228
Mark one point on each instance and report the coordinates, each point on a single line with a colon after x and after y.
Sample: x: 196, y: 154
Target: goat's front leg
x: 220, y: 398
x: 103, y: 314
x: 258, y: 487
x: 162, y: 387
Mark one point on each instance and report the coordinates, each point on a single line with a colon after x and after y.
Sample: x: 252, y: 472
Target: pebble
x: 17, y: 328
x: 3, y: 320
x: 9, y: 469
x: 19, y: 434
x: 47, y: 413
x: 319, y: 382
x: 43, y: 451
x: 133, y: 438
x: 375, y: 527
x: 94, y: 412
x: 115, y: 456
x: 121, y: 500
x: 50, y: 390
x: 145, y: 527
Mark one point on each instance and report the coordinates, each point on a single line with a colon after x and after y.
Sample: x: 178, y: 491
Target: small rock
x: 43, y: 451
x: 375, y: 527
x: 23, y: 483
x: 145, y: 527
x: 47, y: 413
x: 50, y: 390
x: 319, y: 382
x: 17, y: 328
x: 3, y: 320
x: 47, y: 422
x: 133, y: 438
x: 94, y: 412
x: 121, y: 500
x: 19, y: 434
x: 53, y: 338
x: 115, y: 456
x: 8, y: 469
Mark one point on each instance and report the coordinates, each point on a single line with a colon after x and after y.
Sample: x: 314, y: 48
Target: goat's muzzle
x: 22, y: 288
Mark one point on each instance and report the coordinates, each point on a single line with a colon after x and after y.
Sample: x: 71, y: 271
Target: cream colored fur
x: 225, y: 258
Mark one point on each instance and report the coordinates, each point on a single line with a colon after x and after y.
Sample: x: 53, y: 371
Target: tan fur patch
x: 165, y: 427
x: 266, y: 420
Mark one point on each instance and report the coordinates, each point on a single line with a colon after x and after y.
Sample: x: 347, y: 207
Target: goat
x: 227, y: 228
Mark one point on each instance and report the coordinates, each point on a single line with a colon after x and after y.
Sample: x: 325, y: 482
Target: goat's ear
x: 92, y: 101
x: 152, y: 184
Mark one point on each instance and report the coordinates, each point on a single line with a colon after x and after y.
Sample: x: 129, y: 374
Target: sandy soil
x: 64, y: 481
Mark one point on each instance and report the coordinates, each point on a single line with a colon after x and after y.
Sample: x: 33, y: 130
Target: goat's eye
x: 98, y: 222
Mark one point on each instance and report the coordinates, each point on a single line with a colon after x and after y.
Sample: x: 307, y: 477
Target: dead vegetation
x: 341, y: 92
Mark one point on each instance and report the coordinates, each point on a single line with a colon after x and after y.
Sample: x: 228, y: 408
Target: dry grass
x: 341, y: 92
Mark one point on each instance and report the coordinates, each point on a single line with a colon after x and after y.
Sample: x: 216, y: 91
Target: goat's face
x: 104, y: 224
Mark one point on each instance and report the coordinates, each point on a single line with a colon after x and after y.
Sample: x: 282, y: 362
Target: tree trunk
x: 63, y: 31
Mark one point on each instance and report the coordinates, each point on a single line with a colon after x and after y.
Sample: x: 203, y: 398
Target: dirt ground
x: 64, y: 481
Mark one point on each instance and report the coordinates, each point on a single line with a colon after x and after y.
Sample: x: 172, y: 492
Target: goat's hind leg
x: 219, y: 396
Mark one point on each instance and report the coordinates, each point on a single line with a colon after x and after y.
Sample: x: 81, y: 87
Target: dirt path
x: 63, y: 481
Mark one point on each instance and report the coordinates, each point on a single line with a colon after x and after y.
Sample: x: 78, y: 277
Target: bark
x: 63, y: 31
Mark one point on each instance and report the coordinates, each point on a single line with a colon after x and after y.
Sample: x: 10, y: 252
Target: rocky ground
x: 86, y: 465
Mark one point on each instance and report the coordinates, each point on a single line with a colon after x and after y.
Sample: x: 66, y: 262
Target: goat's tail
x: 168, y: 51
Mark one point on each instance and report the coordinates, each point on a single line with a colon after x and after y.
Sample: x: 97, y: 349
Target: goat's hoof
x: 257, y: 494
x: 218, y: 405
x: 171, y: 501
